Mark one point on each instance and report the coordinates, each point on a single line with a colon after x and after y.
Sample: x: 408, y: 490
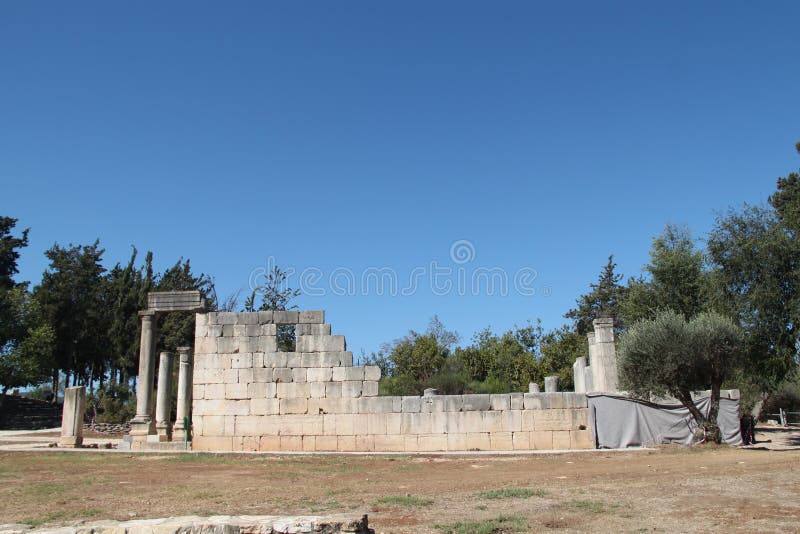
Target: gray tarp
x: 619, y: 422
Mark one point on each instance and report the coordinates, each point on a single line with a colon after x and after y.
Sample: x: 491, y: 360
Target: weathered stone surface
x: 476, y: 402
x: 321, y: 343
x: 550, y: 384
x: 72, y: 417
x: 313, y: 330
x: 311, y: 316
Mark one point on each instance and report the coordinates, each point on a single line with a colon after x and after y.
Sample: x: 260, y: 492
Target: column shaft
x: 164, y: 396
x: 184, y: 407
x: 142, y: 423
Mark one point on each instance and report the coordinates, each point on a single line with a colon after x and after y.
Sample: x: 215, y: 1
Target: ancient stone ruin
x: 248, y: 396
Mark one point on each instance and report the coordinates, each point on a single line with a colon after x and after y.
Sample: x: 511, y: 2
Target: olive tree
x: 668, y: 355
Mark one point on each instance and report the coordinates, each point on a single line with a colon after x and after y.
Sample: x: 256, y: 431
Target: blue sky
x: 348, y: 136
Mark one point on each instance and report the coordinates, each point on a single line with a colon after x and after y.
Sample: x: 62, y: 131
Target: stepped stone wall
x: 248, y: 396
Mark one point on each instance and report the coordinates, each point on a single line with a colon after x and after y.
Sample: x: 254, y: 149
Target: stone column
x: 579, y: 374
x: 533, y: 387
x: 164, y: 396
x: 184, y: 395
x: 72, y: 417
x: 142, y: 423
x: 604, y: 355
x: 550, y: 384
x: 588, y: 379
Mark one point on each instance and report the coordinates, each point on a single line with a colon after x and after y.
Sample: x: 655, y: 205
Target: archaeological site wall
x: 248, y: 396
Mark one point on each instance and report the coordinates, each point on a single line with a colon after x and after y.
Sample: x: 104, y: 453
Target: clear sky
x: 353, y: 140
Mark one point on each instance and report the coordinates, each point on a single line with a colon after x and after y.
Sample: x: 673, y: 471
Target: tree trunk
x: 712, y: 426
x: 758, y: 407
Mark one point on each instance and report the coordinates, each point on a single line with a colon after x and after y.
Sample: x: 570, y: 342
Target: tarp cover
x: 619, y: 422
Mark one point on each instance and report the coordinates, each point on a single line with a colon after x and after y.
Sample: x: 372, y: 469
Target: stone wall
x: 248, y: 396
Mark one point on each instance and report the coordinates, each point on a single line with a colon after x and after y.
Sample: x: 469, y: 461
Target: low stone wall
x: 247, y: 396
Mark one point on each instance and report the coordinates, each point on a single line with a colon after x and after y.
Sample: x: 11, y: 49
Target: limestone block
x: 527, y: 420
x: 394, y: 422
x: 580, y: 418
x: 294, y: 405
x: 365, y: 443
x: 542, y: 440
x: 249, y: 425
x: 346, y: 358
x: 551, y: 384
x: 240, y: 330
x: 372, y: 372
x: 242, y: 360
x: 230, y: 376
x: 245, y: 376
x: 267, y: 330
x: 581, y: 439
x: 411, y: 404
x: 588, y: 379
x: 345, y: 424
x: 291, y: 443
x: 264, y: 406
x: 370, y: 405
x: 227, y: 330
x: 247, y: 318
x: 292, y: 390
x: 376, y: 423
x: 521, y: 441
x: 501, y: 441
x: 440, y: 422
x: 206, y: 345
x: 333, y: 389
x: 492, y: 421
x: 294, y: 359
x: 348, y: 373
x: 326, y: 443
x: 226, y: 318
x: 432, y: 442
x: 351, y: 388
x: 258, y: 359
x: 346, y: 443
x: 200, y: 330
x: 251, y: 330
x: 201, y: 319
x: 265, y: 317
x: 276, y: 359
x: 250, y: 443
x: 512, y: 420
x: 411, y: 443
x: 320, y: 359
x: 263, y: 374
x: 236, y: 391
x: 286, y: 317
x: 456, y: 442
x: 533, y: 387
x: 552, y: 419
x: 299, y: 374
x: 415, y: 423
x: 561, y: 440
x: 476, y: 402
x: 214, y: 330
x: 333, y: 405
x: 313, y: 330
x: 213, y: 391
x: 389, y: 443
x: 316, y: 390
x: 311, y: 316
x: 198, y: 391
x: 447, y: 403
x: 257, y: 390
x: 517, y: 401
x: 209, y: 376
x: 369, y: 388
x: 266, y: 344
x: 212, y: 443
x: 500, y: 402
x: 269, y: 443
x: 319, y: 374
x: 473, y: 422
x: 282, y: 374
x: 211, y: 318
x: 478, y: 441
x: 565, y: 400
x: 226, y: 345
x: 321, y: 343
x: 220, y: 407
x: 534, y: 401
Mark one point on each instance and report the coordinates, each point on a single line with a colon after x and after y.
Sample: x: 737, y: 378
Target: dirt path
x: 666, y: 490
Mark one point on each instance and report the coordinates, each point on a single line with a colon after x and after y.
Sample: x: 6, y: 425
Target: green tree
x: 677, y: 279
x: 9, y: 251
x: 756, y: 278
x: 668, y: 355
x: 602, y: 301
x: 177, y: 329
x: 786, y: 200
x: 71, y: 297
x: 560, y: 348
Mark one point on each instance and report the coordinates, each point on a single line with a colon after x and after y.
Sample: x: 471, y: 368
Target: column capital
x: 147, y: 314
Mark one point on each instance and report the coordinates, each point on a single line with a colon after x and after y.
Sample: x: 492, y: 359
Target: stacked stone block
x: 248, y: 396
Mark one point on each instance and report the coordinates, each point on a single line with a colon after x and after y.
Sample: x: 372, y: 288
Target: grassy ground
x: 671, y: 489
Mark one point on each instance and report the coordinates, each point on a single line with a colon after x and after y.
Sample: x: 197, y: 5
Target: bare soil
x: 705, y: 489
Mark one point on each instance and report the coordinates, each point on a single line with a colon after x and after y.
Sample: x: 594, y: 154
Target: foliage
x: 668, y: 355
x: 786, y: 200
x: 602, y: 301
x: 757, y: 280
x: 677, y: 279
x: 275, y: 295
